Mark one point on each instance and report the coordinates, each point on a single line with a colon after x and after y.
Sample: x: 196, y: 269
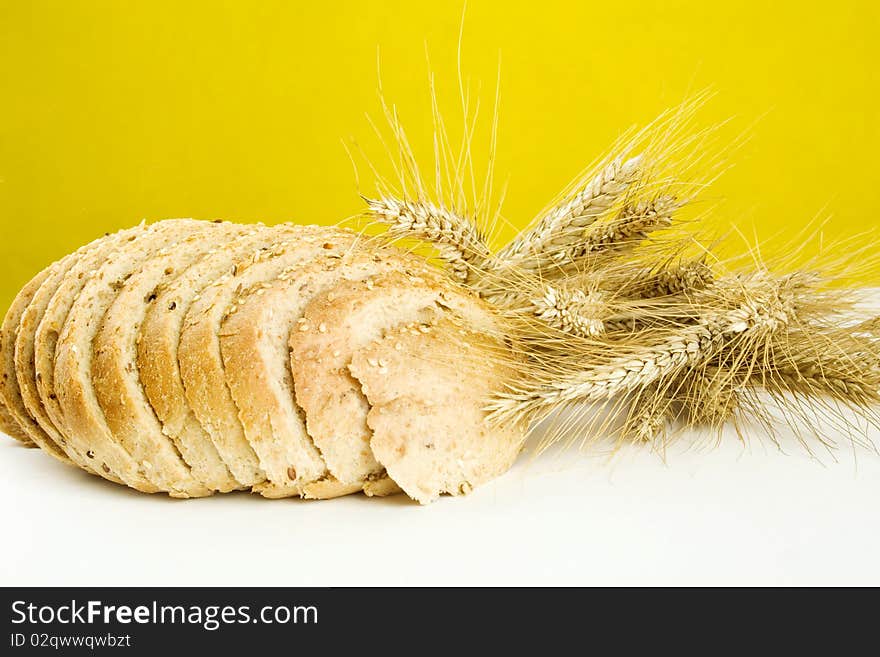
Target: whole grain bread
x: 84, y: 423
x: 191, y: 357
x: 200, y: 358
x: 38, y: 336
x: 115, y: 375
x: 427, y: 385
x: 336, y: 325
x: 254, y: 341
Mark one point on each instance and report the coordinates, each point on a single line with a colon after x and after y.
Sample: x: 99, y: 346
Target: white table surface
x: 732, y: 515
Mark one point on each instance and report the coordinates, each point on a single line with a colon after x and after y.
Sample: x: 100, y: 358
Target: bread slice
x: 38, y: 335
x: 20, y: 424
x: 200, y: 358
x: 115, y: 375
x: 427, y: 386
x: 157, y: 353
x: 336, y: 325
x: 84, y: 423
x: 254, y: 341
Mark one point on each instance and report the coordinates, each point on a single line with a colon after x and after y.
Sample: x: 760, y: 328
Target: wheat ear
x: 572, y: 311
x: 841, y: 363
x: 614, y: 238
x: 549, y: 242
x: 632, y: 225
x: 678, y: 278
x: 457, y: 239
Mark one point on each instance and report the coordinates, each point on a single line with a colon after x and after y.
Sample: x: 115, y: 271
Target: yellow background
x: 115, y: 111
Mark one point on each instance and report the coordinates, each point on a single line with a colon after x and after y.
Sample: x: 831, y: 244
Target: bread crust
x: 84, y: 423
x: 426, y: 417
x: 115, y: 376
x: 201, y: 363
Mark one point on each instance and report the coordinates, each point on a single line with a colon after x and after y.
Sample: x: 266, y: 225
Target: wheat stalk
x: 457, y: 240
x: 549, y: 242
